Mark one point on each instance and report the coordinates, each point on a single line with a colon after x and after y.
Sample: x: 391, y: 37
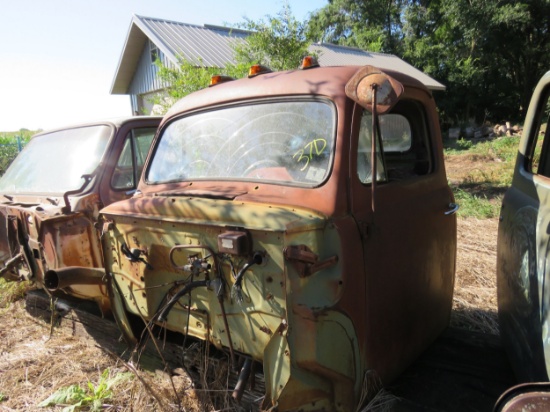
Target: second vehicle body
x: 51, y: 195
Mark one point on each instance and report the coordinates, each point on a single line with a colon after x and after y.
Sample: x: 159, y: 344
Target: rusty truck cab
x: 51, y: 195
x: 256, y: 227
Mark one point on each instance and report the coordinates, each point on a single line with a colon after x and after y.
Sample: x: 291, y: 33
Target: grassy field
x: 479, y: 174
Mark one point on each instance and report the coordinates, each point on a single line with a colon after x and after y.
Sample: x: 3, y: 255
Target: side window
x: 132, y: 158
x: 123, y: 176
x: 539, y: 161
x: 142, y: 139
x: 403, y: 152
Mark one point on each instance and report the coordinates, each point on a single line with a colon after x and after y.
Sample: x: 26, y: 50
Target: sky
x: 58, y: 57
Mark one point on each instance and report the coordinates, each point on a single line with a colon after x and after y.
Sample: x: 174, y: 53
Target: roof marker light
x: 258, y: 69
x: 309, y: 62
x: 217, y: 79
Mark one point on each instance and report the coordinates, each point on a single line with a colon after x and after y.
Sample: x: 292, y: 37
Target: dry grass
x: 33, y: 365
x: 475, y: 298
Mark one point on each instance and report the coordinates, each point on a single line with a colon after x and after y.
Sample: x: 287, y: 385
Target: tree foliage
x: 489, y: 53
x: 373, y: 25
x: 280, y: 42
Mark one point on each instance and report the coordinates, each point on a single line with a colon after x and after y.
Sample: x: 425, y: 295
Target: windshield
x: 55, y: 162
x: 288, y: 142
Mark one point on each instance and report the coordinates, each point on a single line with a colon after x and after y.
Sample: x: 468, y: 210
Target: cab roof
x: 326, y: 82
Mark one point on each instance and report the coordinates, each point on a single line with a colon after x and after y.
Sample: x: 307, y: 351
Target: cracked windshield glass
x: 288, y: 142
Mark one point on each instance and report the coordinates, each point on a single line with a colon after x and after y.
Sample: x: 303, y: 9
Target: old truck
x: 299, y: 221
x: 51, y: 195
x: 523, y: 247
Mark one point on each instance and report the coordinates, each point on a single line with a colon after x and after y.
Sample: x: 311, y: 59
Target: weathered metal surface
x: 47, y: 232
x: 523, y: 250
x: 302, y: 278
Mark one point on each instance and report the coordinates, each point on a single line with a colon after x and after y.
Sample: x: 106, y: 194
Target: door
x: 524, y: 245
x: 409, y: 235
x: 122, y: 179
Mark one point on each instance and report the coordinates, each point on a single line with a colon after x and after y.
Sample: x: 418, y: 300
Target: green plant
x: 12, y: 291
x: 463, y: 144
x: 92, y: 397
x: 11, y: 144
x: 472, y: 205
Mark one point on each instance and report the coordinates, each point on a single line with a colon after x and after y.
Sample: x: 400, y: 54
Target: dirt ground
x: 475, y: 298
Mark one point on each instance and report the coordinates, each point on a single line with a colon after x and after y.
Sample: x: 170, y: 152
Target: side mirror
x: 370, y: 82
x: 378, y: 93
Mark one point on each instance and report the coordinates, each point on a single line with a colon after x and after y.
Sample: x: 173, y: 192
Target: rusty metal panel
x: 48, y: 221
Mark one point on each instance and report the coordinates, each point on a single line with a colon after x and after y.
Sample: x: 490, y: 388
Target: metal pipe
x: 243, y: 379
x: 73, y: 275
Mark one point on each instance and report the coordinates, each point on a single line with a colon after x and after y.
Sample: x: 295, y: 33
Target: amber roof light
x: 309, y: 62
x: 217, y: 79
x: 258, y: 69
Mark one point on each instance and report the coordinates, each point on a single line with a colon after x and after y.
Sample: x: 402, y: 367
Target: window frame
x: 415, y: 114
x: 132, y: 138
x: 539, y: 163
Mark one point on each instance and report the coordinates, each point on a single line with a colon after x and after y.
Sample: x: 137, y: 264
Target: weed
x: 472, y: 205
x: 92, y: 397
x: 12, y: 291
x: 502, y: 148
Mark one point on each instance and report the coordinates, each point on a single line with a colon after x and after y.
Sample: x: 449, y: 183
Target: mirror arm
x: 374, y: 138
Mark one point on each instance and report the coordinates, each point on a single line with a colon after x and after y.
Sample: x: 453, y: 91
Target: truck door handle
x: 453, y: 208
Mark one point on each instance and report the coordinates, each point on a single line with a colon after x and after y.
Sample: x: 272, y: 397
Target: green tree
x: 374, y: 25
x: 279, y: 42
x: 489, y: 53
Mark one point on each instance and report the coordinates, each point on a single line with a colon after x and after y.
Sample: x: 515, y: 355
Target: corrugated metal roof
x: 212, y: 46
x: 334, y: 55
x: 209, y: 46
